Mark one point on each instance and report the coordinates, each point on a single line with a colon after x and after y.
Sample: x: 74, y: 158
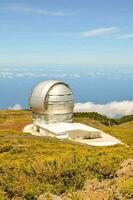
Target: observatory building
x: 52, y: 104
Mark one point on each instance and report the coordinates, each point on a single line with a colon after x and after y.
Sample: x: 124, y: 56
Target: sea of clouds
x: 42, y: 73
x: 113, y: 109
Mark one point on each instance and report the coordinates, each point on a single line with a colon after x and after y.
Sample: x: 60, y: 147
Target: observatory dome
x: 52, y: 102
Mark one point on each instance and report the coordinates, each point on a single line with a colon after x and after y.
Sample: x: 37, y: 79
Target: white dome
x: 53, y: 100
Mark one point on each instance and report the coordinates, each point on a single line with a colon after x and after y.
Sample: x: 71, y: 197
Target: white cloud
x: 113, y: 109
x: 126, y: 36
x: 37, y: 75
x: 100, y: 32
x: 15, y: 107
x: 37, y: 11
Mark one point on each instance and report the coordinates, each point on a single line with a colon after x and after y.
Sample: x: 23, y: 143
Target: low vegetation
x: 30, y: 166
x: 103, y: 119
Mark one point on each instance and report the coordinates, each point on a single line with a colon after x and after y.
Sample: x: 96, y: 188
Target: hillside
x: 103, y: 119
x: 31, y: 166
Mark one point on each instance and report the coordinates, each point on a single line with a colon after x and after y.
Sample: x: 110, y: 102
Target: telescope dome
x: 52, y: 102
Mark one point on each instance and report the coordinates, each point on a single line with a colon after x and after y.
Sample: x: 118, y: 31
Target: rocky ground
x: 111, y: 189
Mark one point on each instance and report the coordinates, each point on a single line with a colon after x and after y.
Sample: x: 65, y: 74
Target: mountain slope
x: 30, y: 166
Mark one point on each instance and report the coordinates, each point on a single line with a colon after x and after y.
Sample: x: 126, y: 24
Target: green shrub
x: 3, y: 195
x: 30, y: 194
x: 126, y: 188
x: 5, y: 148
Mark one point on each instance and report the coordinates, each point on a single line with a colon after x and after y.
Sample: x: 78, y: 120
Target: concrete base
x: 74, y: 132
x: 105, y: 140
x: 65, y: 130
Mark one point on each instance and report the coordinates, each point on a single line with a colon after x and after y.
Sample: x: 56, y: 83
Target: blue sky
x: 66, y: 33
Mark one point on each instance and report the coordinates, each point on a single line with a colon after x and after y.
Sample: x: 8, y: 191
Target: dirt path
x: 18, y: 126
